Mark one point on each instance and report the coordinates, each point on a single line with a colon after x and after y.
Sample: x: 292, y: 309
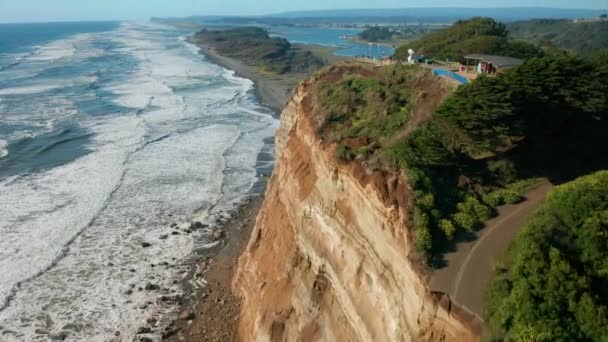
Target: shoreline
x: 210, y: 311
x: 272, y: 92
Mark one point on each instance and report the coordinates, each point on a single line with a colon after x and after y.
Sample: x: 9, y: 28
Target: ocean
x: 109, y: 134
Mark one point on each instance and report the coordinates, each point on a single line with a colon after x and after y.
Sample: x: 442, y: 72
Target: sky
x: 68, y: 10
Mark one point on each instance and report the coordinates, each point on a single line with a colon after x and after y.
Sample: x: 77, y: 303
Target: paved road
x: 469, y: 269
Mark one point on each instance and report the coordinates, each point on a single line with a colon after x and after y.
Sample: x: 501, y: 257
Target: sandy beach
x: 210, y: 311
x: 273, y: 91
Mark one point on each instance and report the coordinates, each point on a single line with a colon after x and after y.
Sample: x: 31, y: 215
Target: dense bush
x: 554, y: 285
x: 503, y: 196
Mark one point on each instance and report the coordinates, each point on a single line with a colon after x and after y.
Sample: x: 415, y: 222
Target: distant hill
x: 449, y: 13
x: 254, y: 46
x: 580, y: 37
x: 476, y: 35
x: 395, y: 15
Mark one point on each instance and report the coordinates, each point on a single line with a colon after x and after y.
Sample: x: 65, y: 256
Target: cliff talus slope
x: 329, y: 257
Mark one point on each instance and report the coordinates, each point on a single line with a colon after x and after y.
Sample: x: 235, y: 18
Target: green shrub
x: 466, y: 221
x: 422, y: 149
x: 494, y: 199
x: 425, y: 201
x: 503, y: 171
x: 422, y: 232
x: 511, y: 197
x: 473, y: 207
x: 345, y: 153
x: 448, y: 228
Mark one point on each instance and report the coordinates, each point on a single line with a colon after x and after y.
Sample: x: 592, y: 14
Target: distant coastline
x: 274, y: 77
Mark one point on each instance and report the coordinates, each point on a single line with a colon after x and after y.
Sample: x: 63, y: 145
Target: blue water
x: 333, y: 37
x: 109, y: 133
x: 33, y: 121
x: 24, y: 38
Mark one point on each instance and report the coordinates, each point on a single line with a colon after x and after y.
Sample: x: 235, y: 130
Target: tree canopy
x: 546, y: 117
x: 476, y: 35
x: 554, y: 284
x: 376, y: 34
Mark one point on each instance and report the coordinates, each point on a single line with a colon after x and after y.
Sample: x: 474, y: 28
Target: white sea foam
x: 53, y: 51
x: 74, y: 46
x: 180, y: 149
x: 39, y: 117
x: 3, y: 148
x: 27, y: 90
x: 43, y: 86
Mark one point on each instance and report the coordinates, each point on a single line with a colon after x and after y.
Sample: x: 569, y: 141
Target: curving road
x: 469, y: 269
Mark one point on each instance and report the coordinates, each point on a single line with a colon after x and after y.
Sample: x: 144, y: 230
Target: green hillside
x: 582, y: 37
x: 476, y: 35
x: 255, y: 47
x: 553, y: 285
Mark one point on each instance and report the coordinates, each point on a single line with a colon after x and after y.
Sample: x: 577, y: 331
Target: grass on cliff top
x: 364, y: 109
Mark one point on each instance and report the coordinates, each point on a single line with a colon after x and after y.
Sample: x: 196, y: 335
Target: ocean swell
x: 169, y: 138
x: 3, y: 148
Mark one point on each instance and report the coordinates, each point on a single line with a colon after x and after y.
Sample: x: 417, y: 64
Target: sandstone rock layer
x: 330, y: 256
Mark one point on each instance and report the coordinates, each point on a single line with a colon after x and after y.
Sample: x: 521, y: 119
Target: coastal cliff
x: 330, y: 256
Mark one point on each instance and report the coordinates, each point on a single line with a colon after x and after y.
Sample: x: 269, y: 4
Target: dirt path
x: 469, y: 269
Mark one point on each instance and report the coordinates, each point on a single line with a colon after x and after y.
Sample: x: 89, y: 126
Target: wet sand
x: 211, y: 311
x: 273, y: 91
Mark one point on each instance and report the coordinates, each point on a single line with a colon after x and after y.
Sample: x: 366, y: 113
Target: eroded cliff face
x: 328, y: 257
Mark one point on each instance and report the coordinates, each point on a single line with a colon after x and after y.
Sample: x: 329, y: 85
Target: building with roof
x: 489, y: 64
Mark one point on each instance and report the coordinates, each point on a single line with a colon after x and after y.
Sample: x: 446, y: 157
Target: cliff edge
x: 330, y: 257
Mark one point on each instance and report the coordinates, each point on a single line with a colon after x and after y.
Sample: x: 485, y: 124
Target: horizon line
x: 278, y: 14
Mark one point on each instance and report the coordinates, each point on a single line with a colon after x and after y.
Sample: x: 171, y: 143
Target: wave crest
x: 3, y: 149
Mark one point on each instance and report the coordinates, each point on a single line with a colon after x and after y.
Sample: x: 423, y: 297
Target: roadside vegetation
x: 255, y: 47
x: 484, y: 146
x: 553, y: 282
